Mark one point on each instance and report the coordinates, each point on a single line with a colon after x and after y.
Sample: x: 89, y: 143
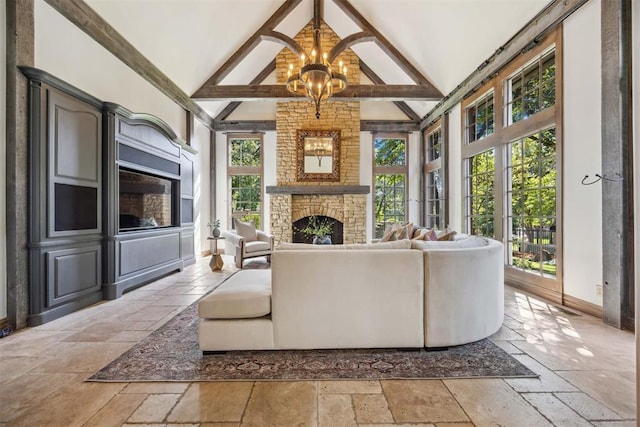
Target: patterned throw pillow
x: 389, y: 233
x: 246, y: 230
x: 446, y: 235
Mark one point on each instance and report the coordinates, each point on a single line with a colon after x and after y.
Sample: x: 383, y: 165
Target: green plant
x: 317, y: 227
x: 214, y: 224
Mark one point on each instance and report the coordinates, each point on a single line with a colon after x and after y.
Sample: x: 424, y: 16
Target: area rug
x: 172, y: 354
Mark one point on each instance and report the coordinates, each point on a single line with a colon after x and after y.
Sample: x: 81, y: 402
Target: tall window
x: 532, y: 197
x: 511, y: 185
x: 435, y: 200
x: 390, y: 178
x: 480, y: 118
x: 245, y: 178
x: 531, y: 89
x: 480, y: 200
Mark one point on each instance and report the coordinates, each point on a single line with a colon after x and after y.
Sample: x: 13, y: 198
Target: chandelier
x: 315, y: 78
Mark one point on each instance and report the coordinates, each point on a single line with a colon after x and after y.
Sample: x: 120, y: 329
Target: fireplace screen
x: 146, y: 201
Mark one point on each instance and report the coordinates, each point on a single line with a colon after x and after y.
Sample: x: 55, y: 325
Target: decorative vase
x: 215, y: 232
x: 321, y: 240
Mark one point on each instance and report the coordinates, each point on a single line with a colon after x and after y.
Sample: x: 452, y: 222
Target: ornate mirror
x: 318, y: 155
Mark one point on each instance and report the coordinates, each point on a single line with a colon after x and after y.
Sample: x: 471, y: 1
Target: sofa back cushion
x: 396, y: 244
x: 469, y: 242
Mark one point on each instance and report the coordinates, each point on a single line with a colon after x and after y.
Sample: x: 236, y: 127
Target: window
x: 532, y: 197
x: 511, y: 184
x: 390, y: 178
x: 531, y: 89
x: 480, y: 121
x: 245, y: 178
x: 480, y: 200
x: 433, y: 169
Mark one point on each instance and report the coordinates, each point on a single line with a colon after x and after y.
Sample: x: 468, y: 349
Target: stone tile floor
x: 586, y: 373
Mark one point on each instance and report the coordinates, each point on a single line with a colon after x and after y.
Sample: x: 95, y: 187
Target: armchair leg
x: 268, y: 257
x: 239, y: 261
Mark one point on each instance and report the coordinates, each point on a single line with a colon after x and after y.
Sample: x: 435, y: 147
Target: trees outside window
x: 434, y: 177
x: 245, y: 178
x: 511, y: 184
x: 390, y: 181
x: 532, y: 197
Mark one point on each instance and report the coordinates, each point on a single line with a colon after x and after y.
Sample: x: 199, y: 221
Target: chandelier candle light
x: 315, y: 77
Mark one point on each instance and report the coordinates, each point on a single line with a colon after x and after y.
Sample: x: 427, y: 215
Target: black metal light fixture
x: 315, y: 78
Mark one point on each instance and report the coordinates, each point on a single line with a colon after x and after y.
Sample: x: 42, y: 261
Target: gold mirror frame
x: 317, y: 146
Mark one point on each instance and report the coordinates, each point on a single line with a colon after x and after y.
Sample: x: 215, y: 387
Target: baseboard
x: 206, y: 253
x: 582, y: 306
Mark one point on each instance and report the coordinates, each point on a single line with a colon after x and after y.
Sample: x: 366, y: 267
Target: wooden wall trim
x: 583, y: 306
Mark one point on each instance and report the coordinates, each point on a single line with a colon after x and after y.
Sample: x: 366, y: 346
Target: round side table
x: 216, y: 262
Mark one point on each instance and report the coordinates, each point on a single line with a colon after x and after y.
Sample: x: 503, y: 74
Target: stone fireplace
x: 291, y: 200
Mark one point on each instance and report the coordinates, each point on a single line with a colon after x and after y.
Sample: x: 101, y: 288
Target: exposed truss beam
x: 351, y: 93
x: 284, y: 40
x: 86, y: 19
x: 389, y: 126
x: 245, y: 125
x: 347, y: 42
x: 231, y: 107
x: 384, y: 44
x: 270, y: 125
x: 408, y: 111
x: 251, y: 43
x: 527, y: 37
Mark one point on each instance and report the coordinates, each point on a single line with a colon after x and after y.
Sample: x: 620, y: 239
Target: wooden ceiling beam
x: 262, y: 75
x: 347, y: 42
x: 250, y: 44
x: 408, y: 111
x: 284, y: 40
x: 86, y: 19
x: 351, y: 93
x: 384, y: 44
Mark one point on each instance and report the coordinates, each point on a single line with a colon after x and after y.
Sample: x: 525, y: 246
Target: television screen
x: 146, y: 201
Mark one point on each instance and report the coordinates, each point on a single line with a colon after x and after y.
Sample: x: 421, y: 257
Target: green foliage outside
x: 245, y: 152
x: 390, y: 188
x: 246, y: 198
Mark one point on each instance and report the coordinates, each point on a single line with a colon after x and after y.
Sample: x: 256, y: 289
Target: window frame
x: 432, y: 165
x: 389, y: 170
x: 503, y: 135
x: 244, y: 170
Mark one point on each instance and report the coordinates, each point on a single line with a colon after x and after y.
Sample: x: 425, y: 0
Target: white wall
x: 63, y: 50
x: 3, y: 159
x: 582, y: 205
x: 201, y: 188
x: 415, y: 170
x: 366, y: 176
x: 454, y: 175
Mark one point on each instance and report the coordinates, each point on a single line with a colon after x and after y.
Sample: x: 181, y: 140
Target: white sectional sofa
x: 403, y: 294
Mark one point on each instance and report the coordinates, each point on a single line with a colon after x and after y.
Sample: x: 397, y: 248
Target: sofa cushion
x: 246, y: 230
x: 257, y: 246
x: 470, y: 242
x: 395, y: 244
x: 247, y: 294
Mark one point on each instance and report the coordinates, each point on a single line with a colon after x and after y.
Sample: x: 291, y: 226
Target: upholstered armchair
x: 247, y: 242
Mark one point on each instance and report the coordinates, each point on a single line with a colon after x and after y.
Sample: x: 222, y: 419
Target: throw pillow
x: 389, y: 233
x: 246, y: 230
x: 431, y: 236
x: 420, y: 233
x: 446, y: 235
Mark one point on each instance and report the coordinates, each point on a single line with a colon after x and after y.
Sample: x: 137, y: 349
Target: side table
x: 216, y: 262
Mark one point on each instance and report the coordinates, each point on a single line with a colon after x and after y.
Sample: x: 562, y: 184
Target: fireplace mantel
x: 318, y: 189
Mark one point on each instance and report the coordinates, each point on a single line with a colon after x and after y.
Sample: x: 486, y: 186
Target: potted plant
x: 215, y: 228
x: 319, y: 228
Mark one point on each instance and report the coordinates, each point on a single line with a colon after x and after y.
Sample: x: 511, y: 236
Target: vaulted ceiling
x: 445, y: 40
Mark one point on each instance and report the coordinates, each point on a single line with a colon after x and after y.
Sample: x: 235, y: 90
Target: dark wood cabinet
x: 89, y: 237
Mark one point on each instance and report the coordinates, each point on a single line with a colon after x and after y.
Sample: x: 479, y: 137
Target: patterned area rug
x: 172, y: 354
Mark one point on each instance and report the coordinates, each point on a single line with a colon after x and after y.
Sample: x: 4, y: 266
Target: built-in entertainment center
x: 111, y: 199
